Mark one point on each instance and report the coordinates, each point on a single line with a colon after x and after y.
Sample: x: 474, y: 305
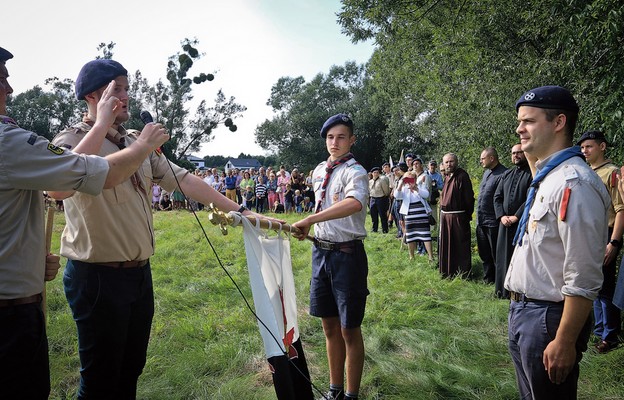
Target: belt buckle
x: 324, y: 245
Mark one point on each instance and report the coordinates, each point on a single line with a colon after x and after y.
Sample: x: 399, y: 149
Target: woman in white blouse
x: 416, y: 211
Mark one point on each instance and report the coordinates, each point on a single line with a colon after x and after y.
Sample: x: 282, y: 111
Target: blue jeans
x: 24, y: 368
x: 113, y: 310
x: 532, y: 326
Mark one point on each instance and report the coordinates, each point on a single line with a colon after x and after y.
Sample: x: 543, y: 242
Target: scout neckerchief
x: 329, y: 169
x: 7, y: 120
x: 564, y: 155
x: 120, y: 141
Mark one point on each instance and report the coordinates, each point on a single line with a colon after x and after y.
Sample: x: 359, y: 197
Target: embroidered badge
x: 529, y: 96
x: 55, y: 149
x: 32, y: 139
x: 158, y: 152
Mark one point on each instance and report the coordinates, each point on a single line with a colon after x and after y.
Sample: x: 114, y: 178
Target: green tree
x: 453, y: 70
x: 302, y: 107
x: 169, y: 101
x: 46, y: 112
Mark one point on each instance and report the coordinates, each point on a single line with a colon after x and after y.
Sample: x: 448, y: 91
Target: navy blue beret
x: 595, y: 135
x: 5, y: 55
x: 338, y: 119
x: 95, y: 74
x: 402, y: 166
x: 551, y: 97
x: 375, y: 169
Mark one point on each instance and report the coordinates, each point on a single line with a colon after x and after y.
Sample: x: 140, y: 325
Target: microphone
x: 146, y: 117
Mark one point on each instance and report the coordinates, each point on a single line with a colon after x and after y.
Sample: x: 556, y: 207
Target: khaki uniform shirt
x: 379, y: 187
x: 116, y: 225
x: 560, y: 258
x: 28, y: 165
x: 348, y: 180
x: 605, y: 172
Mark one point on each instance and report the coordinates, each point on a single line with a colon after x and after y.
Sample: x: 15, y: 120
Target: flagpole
x: 223, y: 220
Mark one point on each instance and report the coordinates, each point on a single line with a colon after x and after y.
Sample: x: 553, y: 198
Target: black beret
x: 402, y: 166
x: 433, y: 162
x: 5, y: 55
x: 338, y: 119
x: 95, y: 74
x: 551, y: 97
x: 595, y: 135
x: 417, y: 159
x: 384, y: 164
x: 409, y: 155
x: 375, y: 169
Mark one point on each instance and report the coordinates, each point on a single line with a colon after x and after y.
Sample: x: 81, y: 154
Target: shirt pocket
x: 538, y: 223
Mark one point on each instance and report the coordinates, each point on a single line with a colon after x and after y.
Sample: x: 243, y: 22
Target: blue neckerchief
x: 574, y: 151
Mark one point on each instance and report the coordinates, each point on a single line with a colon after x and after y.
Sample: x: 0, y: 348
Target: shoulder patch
x: 55, y: 149
x: 32, y: 139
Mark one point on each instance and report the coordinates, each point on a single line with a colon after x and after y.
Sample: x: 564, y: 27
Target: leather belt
x: 345, y: 247
x: 124, y: 264
x: 35, y: 298
x: 522, y: 298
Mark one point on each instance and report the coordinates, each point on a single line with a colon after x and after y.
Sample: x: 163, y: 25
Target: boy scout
x: 339, y: 265
x: 29, y: 164
x: 108, y: 240
x: 555, y: 271
x: 607, y: 319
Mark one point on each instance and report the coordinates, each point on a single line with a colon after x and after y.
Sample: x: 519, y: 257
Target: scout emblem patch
x: 55, y: 149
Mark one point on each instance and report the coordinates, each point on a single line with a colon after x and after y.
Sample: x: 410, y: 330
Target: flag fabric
x: 275, y: 302
x: 390, y: 162
x: 401, y: 159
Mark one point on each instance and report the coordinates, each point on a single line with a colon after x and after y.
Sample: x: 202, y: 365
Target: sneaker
x: 333, y: 396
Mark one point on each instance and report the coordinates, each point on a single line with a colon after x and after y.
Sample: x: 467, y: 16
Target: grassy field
x: 426, y: 338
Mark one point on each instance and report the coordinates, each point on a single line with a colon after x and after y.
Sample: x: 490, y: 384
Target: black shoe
x: 604, y: 347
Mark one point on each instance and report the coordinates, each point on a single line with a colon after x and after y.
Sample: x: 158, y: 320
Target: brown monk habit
x: 456, y: 205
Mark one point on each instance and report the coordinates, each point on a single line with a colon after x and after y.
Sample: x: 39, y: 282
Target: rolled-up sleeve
x: 583, y: 235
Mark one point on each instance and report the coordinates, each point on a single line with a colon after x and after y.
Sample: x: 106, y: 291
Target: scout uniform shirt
x: 117, y: 225
x: 29, y: 164
x: 608, y: 173
x: 558, y: 256
x: 348, y: 180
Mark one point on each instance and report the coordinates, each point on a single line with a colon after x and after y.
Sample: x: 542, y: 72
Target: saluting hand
x: 109, y: 106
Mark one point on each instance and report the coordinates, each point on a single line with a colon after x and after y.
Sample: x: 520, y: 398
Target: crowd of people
x: 262, y: 189
x: 549, y: 232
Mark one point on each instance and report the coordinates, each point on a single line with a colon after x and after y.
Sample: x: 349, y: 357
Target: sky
x: 250, y: 44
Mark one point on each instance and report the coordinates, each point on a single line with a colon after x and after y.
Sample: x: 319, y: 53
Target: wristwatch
x: 616, y: 243
x: 242, y: 209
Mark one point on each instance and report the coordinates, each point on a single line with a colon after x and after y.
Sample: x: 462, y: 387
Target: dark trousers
x: 607, y: 316
x: 532, y: 326
x: 113, y: 310
x: 24, y: 368
x: 396, y: 206
x: 487, y: 238
x: 260, y: 201
x: 379, y: 210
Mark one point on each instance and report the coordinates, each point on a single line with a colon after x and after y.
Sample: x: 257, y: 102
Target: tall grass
x: 425, y: 337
